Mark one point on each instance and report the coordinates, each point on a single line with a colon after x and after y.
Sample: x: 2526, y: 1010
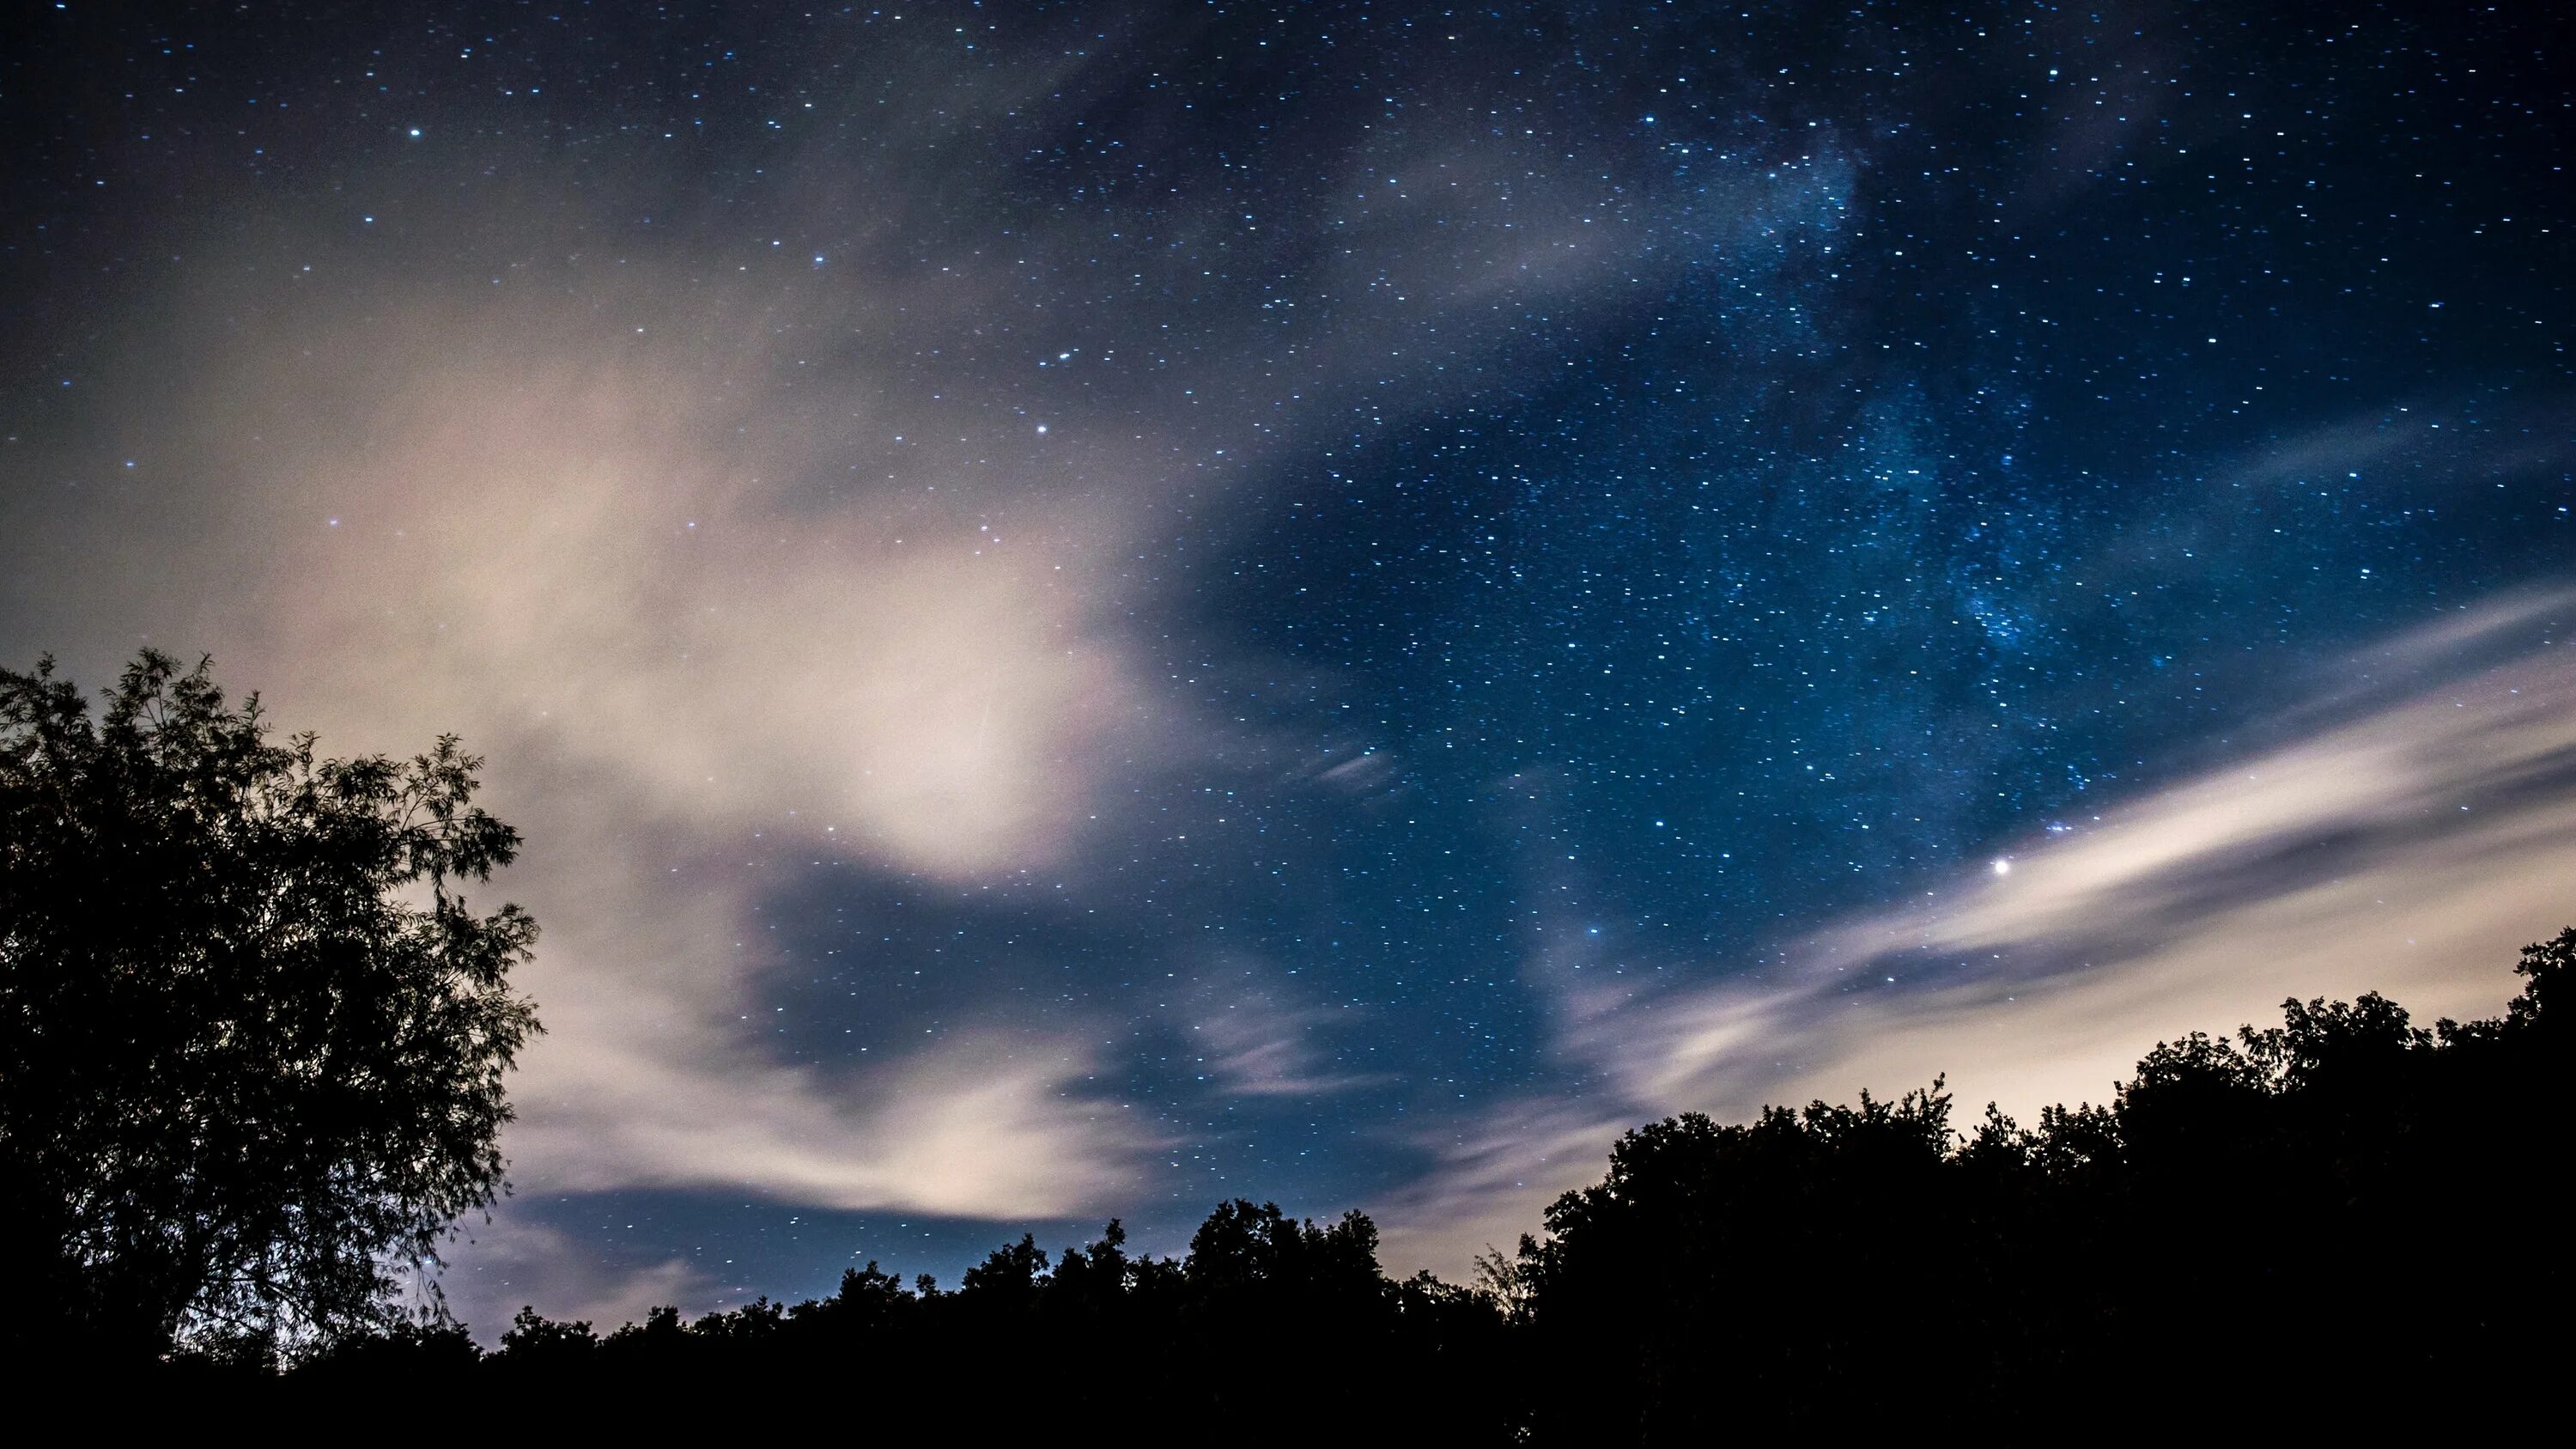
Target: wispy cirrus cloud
x: 1254, y: 1038
x: 509, y: 1263
x: 2406, y: 837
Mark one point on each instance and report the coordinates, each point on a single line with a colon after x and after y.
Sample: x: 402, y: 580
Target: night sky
x: 1093, y: 608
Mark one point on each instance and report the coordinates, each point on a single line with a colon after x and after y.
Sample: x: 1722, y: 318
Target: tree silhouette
x: 251, y: 1037
x: 2282, y: 1222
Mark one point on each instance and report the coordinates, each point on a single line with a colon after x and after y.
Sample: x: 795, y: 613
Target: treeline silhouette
x: 2343, y: 1219
x: 1270, y: 1324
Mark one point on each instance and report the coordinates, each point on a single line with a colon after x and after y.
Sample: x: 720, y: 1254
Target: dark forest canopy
x: 2341, y: 1218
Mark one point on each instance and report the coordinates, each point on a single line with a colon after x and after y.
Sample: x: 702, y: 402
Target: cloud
x: 660, y: 1067
x: 586, y: 565
x: 679, y: 614
x: 979, y: 1127
x: 2408, y: 842
x: 628, y: 594
x: 510, y: 1263
x: 1253, y: 1043
x: 1491, y: 1180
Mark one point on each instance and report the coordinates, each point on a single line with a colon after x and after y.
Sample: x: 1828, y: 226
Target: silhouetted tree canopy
x: 252, y: 1037
x: 2342, y: 1199
x: 1271, y: 1327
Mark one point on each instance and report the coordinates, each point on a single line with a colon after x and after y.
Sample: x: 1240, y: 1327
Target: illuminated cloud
x: 684, y: 626
x: 510, y: 1263
x: 983, y: 1127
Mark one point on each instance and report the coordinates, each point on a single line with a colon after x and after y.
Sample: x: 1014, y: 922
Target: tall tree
x: 252, y: 1038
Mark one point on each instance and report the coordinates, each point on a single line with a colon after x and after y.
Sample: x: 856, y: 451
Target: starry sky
x: 1089, y: 608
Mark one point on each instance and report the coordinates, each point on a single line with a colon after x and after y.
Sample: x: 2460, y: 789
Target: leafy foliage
x: 2249, y: 1217
x: 252, y: 1037
x: 1271, y: 1328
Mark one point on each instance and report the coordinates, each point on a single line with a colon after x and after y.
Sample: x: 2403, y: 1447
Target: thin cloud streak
x: 980, y: 1127
x: 2408, y: 849
x: 1254, y: 1040
x: 625, y: 591
x: 510, y: 1263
